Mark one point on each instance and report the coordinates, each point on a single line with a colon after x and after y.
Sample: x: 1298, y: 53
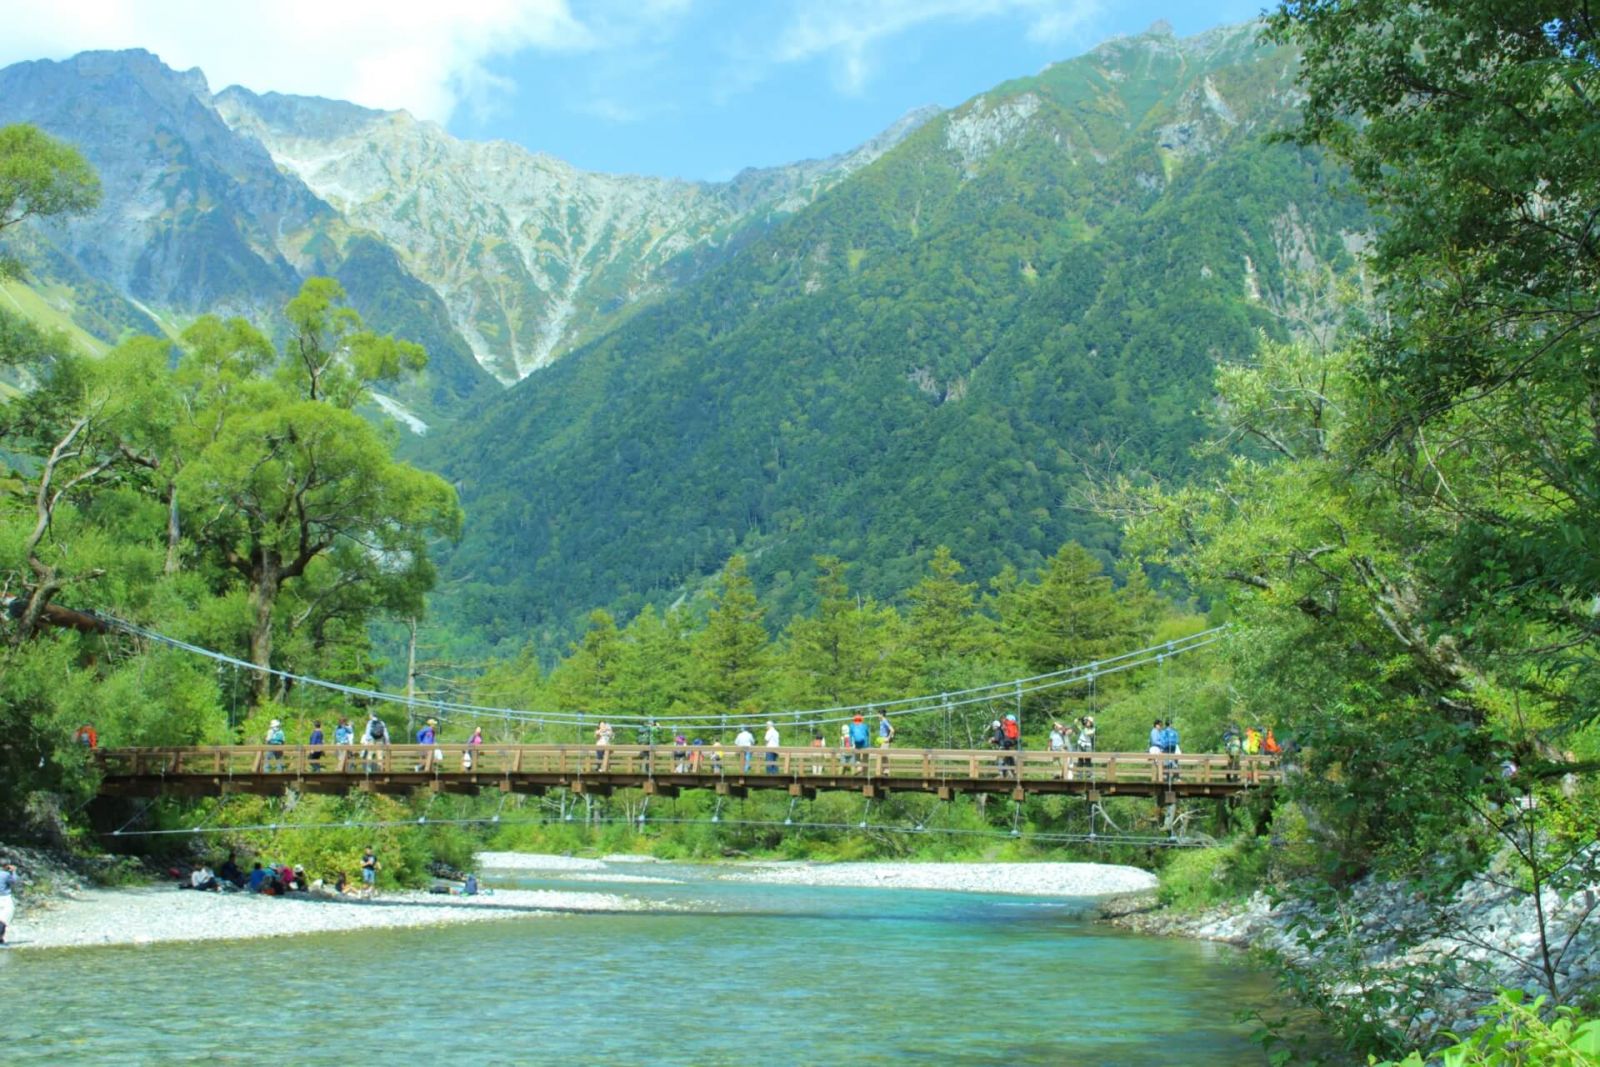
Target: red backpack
x: 1010, y: 728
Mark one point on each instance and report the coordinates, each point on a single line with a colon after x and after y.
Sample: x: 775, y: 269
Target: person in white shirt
x: 745, y: 740
x: 772, y: 748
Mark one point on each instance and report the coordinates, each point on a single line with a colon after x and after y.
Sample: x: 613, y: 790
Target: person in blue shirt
x: 860, y: 736
x: 1157, y: 738
x: 315, y: 741
x: 258, y: 878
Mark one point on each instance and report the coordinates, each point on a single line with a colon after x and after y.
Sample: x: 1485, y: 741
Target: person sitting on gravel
x: 202, y: 878
x: 230, y: 872
x: 258, y: 878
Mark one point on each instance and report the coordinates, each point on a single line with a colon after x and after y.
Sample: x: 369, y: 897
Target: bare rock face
x: 530, y: 255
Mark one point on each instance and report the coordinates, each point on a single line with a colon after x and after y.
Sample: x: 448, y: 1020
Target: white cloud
x: 848, y: 34
x: 427, y: 56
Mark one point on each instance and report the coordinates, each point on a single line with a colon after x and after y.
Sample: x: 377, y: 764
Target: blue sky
x: 682, y: 88
x: 716, y: 86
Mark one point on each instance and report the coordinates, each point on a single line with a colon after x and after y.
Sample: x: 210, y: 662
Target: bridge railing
x: 668, y: 761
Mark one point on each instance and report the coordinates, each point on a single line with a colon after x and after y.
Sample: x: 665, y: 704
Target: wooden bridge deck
x: 663, y: 770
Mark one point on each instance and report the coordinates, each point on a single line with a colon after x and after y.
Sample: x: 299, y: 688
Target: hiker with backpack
x: 1010, y: 741
x: 373, y: 740
x: 275, y: 737
x: 1233, y: 745
x: 1270, y: 746
x: 1169, y: 745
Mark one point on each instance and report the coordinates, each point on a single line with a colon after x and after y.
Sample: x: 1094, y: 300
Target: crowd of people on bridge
x: 696, y: 755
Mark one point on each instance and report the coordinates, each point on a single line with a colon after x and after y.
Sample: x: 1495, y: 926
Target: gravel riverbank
x: 1030, y: 879
x: 148, y: 915
x: 75, y: 915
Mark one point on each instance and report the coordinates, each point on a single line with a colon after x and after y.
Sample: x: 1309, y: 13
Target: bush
x: 1516, y: 1034
x: 1204, y: 877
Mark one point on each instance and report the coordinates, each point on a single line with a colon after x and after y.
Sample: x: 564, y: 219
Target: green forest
x: 1396, y: 517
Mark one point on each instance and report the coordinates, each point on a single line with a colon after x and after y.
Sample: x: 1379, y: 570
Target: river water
x: 739, y: 973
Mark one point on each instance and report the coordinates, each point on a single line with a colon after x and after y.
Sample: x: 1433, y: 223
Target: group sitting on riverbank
x: 275, y: 879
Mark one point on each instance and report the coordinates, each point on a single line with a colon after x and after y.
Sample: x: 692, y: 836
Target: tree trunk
x: 172, y: 530
x: 263, y: 595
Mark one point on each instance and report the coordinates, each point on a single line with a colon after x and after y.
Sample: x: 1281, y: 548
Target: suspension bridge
x: 665, y: 770
x: 591, y: 771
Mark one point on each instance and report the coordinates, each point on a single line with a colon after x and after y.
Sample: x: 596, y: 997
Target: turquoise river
x: 738, y: 973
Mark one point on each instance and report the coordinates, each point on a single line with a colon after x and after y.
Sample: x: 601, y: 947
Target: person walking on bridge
x: 885, y: 730
x: 315, y: 741
x: 860, y: 736
x: 275, y: 737
x: 1170, y: 746
x: 373, y: 740
x: 772, y: 747
x: 744, y: 740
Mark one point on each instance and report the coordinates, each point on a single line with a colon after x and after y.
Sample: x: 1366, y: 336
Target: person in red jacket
x: 86, y: 736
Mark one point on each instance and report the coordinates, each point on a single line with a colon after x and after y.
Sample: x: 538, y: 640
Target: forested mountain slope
x: 1039, y: 281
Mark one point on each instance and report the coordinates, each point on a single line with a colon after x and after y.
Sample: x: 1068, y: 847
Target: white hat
x: 273, y: 723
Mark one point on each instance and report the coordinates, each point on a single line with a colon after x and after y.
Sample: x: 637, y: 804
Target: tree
x: 90, y: 424
x: 331, y: 357
x: 586, y: 680
x: 848, y: 651
x: 41, y: 177
x: 1070, y: 616
x: 1470, y: 125
x: 280, y: 474
x: 943, y: 619
x: 730, y: 654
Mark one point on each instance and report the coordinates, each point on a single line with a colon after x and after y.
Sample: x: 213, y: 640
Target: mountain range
x: 497, y: 259
x: 932, y: 339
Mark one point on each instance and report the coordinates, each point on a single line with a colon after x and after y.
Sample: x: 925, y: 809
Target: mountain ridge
x: 1037, y: 281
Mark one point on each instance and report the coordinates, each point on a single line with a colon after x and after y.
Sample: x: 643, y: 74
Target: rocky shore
x: 1445, y: 959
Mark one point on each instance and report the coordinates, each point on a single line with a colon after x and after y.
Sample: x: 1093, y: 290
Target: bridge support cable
x: 1014, y: 689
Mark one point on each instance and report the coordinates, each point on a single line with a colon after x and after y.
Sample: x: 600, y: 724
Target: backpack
x: 379, y: 731
x: 1011, y: 729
